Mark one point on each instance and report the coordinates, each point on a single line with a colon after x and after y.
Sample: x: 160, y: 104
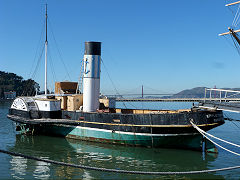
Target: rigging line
x: 37, y: 49
x: 231, y: 10
x: 38, y: 63
x: 58, y: 49
x: 112, y: 81
x: 235, y: 16
x: 235, y: 24
x: 229, y: 41
x: 237, y: 20
x: 51, y: 64
x: 34, y: 73
x: 237, y: 46
x: 235, y: 43
x: 115, y: 87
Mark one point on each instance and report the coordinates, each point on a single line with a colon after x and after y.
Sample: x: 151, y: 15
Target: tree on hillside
x: 30, y: 87
x: 13, y: 82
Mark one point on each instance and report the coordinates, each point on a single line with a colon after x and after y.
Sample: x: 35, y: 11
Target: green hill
x: 13, y: 82
x: 199, y: 92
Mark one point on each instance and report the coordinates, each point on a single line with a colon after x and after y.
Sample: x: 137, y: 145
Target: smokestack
x: 91, y: 78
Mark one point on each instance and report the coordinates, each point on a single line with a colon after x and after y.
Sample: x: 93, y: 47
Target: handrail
x: 220, y: 91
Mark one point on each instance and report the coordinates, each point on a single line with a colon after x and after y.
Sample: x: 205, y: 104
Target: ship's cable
x: 118, y: 170
x: 205, y: 133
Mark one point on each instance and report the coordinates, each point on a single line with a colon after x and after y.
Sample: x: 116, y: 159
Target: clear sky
x: 167, y: 46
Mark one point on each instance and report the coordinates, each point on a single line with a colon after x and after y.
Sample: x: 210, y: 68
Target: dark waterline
x: 109, y: 156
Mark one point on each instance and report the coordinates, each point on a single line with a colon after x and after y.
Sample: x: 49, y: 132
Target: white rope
x: 203, y: 133
x: 217, y: 138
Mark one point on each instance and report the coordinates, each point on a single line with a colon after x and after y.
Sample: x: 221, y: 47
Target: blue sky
x: 167, y: 46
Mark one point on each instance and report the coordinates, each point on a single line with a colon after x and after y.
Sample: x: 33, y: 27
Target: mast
x: 46, y: 43
x: 232, y: 32
x: 234, y: 35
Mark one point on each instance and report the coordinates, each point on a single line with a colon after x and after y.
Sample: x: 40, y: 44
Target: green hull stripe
x: 193, y: 141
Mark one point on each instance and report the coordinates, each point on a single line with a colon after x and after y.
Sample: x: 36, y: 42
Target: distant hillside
x: 13, y: 82
x: 199, y: 92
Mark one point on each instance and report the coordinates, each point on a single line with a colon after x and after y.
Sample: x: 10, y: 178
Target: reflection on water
x: 42, y: 169
x: 100, y: 155
x: 19, y: 166
x: 109, y: 156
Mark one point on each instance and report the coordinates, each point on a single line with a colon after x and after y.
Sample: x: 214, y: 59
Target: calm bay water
x: 111, y: 156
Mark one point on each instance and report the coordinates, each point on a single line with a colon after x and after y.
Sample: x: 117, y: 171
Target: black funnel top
x: 92, y: 48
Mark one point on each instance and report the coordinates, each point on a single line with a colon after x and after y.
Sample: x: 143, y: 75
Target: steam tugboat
x: 83, y: 117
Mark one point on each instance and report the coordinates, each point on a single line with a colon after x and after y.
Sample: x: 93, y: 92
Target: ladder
x: 80, y: 79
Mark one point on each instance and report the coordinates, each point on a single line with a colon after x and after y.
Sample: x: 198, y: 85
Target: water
x: 110, y: 156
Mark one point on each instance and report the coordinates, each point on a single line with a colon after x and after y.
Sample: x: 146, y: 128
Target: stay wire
x: 236, y: 46
x: 112, y: 82
x: 51, y: 64
x: 38, y: 63
x: 231, y: 11
x: 235, y: 17
x: 33, y: 75
x: 37, y: 49
x: 58, y: 49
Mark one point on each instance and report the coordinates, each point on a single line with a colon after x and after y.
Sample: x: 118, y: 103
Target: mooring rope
x: 216, y: 137
x: 204, y: 134
x: 117, y: 170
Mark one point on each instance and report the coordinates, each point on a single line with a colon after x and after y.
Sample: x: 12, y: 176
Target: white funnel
x: 91, y: 78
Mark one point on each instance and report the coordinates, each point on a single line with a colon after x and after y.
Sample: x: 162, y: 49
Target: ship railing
x: 221, y: 95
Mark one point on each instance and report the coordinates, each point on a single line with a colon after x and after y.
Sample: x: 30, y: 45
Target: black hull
x: 171, y: 130
x: 170, y: 123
